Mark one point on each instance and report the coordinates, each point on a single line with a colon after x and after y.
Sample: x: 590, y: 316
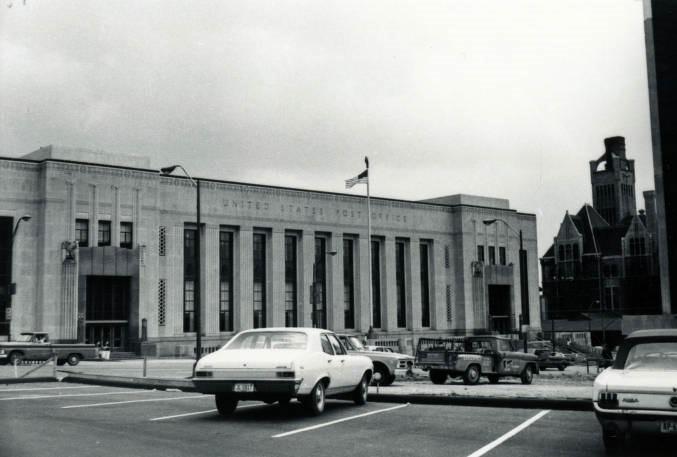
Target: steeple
x: 613, y: 182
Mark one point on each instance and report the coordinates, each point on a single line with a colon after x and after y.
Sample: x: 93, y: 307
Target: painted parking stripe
x: 345, y: 419
x: 200, y: 412
x: 91, y: 405
x: 40, y: 397
x: 47, y: 388
x: 508, y: 435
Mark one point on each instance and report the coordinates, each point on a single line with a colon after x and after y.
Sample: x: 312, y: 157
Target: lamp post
x: 198, y: 315
x: 8, y: 291
x: 524, y: 317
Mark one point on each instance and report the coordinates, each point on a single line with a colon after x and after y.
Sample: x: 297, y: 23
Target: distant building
x: 605, y: 257
x: 108, y: 256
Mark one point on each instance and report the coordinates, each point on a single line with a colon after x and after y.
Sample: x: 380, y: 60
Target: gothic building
x: 605, y: 257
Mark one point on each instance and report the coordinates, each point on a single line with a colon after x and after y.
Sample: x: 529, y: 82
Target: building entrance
x: 500, y: 317
x: 107, y: 313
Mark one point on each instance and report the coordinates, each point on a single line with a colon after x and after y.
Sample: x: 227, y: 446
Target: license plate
x: 669, y: 427
x: 244, y: 387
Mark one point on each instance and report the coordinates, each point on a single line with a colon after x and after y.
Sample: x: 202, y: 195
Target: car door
x: 347, y: 369
x: 331, y: 362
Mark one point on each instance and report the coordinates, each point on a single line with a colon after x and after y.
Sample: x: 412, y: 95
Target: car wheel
x: 60, y: 362
x: 315, y: 401
x: 471, y: 375
x: 73, y: 359
x: 380, y: 376
x: 361, y: 391
x: 438, y: 377
x: 225, y: 405
x: 284, y: 401
x: 613, y: 442
x: 561, y: 367
x: 15, y: 358
x: 388, y: 380
x: 527, y: 375
x: 493, y: 378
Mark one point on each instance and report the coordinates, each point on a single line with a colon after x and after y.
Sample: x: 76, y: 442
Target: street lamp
x: 524, y: 316
x: 8, y: 290
x: 166, y: 171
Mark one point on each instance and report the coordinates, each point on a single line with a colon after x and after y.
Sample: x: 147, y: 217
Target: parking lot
x: 59, y: 419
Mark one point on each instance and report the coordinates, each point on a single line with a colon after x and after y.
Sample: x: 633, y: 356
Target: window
x: 492, y: 255
x: 348, y: 284
x: 162, y: 241
x: 400, y: 285
x: 82, y: 232
x: 449, y: 309
x: 189, y: 271
x: 225, y: 281
x: 480, y: 253
x: 376, y: 283
x: 162, y: 302
x: 326, y: 345
x: 259, y: 280
x: 126, y: 235
x: 290, y: 282
x: 501, y: 255
x: 104, y: 233
x: 319, y: 283
x: 447, y: 260
x: 336, y: 345
x: 425, y: 286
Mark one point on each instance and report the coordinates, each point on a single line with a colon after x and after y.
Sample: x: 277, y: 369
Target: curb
x: 568, y: 404
x: 184, y: 385
x: 28, y: 380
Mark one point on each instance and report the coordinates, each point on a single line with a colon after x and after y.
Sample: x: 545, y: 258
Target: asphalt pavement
x: 59, y: 419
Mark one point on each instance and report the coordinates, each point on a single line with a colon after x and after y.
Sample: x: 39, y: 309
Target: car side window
x: 338, y: 348
x: 326, y: 345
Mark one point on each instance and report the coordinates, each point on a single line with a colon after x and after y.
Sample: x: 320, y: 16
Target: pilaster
x: 244, y: 297
x: 362, y: 299
x: 276, y: 302
x: 389, y: 286
x: 115, y: 217
x: 307, y: 254
x: 413, y: 280
x: 335, y: 305
x: 209, y: 290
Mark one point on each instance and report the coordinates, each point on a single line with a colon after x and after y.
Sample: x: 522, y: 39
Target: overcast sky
x: 502, y: 98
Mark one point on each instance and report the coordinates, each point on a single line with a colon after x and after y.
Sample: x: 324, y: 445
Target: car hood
x: 251, y: 358
x: 637, y: 381
x: 385, y: 355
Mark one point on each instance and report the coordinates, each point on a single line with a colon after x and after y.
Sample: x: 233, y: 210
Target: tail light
x: 608, y: 400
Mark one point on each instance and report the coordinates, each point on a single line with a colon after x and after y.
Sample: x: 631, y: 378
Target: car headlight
x: 2, y: 352
x: 608, y: 400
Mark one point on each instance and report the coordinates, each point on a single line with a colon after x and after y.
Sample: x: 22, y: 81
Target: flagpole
x: 371, y: 294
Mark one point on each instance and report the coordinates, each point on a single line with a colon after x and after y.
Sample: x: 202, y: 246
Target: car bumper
x: 263, y: 388
x: 627, y: 421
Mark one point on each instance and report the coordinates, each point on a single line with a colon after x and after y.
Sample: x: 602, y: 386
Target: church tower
x: 613, y: 182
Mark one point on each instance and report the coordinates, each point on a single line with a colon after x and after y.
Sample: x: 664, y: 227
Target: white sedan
x: 638, y: 393
x: 278, y: 364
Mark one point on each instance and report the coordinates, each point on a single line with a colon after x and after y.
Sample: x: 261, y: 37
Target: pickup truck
x: 471, y: 357
x: 36, y: 346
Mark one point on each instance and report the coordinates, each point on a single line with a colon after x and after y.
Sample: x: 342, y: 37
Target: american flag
x: 362, y: 178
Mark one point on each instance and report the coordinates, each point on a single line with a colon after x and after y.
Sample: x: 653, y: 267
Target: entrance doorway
x: 107, y: 316
x: 500, y: 317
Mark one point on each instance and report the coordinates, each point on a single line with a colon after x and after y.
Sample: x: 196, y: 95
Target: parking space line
x: 201, y: 412
x: 40, y: 397
x: 326, y: 424
x: 47, y: 388
x: 508, y: 435
x: 91, y: 405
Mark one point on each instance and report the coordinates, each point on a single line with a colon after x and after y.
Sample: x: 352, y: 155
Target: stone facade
x: 66, y: 196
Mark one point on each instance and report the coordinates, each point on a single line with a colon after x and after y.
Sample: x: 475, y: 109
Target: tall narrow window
x: 225, y: 281
x: 82, y: 232
x: 259, y: 280
x: 290, y: 281
x: 376, y: 283
x: 319, y: 284
x: 104, y: 233
x: 189, y: 280
x: 480, y: 253
x: 126, y: 237
x: 501, y: 255
x: 400, y: 285
x: 348, y: 284
x: 492, y: 255
x: 425, y: 287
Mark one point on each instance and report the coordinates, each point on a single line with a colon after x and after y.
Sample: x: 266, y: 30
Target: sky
x: 501, y: 98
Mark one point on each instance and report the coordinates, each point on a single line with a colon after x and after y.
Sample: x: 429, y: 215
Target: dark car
x: 547, y: 359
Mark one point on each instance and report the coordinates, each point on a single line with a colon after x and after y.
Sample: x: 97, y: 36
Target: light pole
x: 198, y: 315
x: 8, y: 291
x: 524, y: 316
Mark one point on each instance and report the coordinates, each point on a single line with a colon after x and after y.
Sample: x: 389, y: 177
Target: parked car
x: 547, y: 359
x: 37, y: 346
x: 638, y: 393
x: 385, y: 362
x: 278, y: 364
x: 474, y: 356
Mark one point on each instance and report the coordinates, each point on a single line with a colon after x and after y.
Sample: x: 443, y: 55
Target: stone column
x: 175, y: 284
x: 389, y: 304
x: 307, y: 254
x: 335, y: 314
x: 115, y: 217
x: 244, y: 277
x: 69, y: 300
x: 93, y: 215
x: 362, y: 310
x: 413, y: 280
x: 276, y: 303
x: 438, y: 287
x: 209, y: 290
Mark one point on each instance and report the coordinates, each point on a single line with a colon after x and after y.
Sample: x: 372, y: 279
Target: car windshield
x: 356, y: 343
x: 652, y: 356
x: 24, y: 338
x: 269, y: 340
